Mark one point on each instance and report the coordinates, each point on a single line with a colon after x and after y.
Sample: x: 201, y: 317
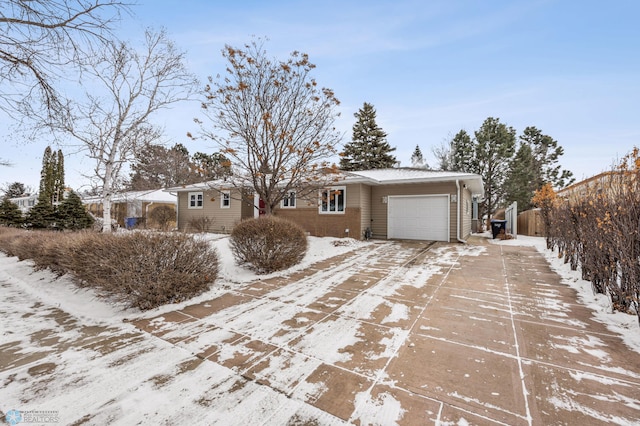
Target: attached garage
x: 418, y: 217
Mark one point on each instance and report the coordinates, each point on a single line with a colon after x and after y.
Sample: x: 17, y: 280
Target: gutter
x: 460, y: 240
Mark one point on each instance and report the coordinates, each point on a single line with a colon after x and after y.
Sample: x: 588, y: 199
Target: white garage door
x: 418, y: 217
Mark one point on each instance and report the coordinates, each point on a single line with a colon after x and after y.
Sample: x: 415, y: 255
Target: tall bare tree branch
x: 272, y: 120
x: 40, y: 41
x: 127, y: 88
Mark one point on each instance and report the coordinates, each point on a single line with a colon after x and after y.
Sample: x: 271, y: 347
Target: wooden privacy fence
x: 530, y: 223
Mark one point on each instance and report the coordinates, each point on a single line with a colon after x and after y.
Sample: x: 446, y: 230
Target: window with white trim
x: 225, y: 199
x: 333, y: 200
x: 289, y: 200
x: 196, y: 200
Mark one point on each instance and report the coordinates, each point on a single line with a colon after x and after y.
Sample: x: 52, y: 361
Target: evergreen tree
x: 462, y: 154
x: 546, y: 152
x: 71, y: 214
x: 210, y: 166
x: 158, y: 167
x: 368, y: 148
x: 58, y: 178
x: 15, y: 189
x: 42, y: 215
x: 521, y: 184
x: 47, y: 177
x: 417, y: 160
x: 495, y: 146
x: 52, y: 177
x: 10, y: 214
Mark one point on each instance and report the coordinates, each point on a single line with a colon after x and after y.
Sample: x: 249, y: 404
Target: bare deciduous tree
x: 275, y: 123
x: 128, y: 87
x: 39, y: 41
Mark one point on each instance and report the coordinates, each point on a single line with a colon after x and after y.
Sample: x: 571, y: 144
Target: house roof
x: 201, y: 186
x: 150, y: 196
x: 373, y: 177
x: 396, y: 176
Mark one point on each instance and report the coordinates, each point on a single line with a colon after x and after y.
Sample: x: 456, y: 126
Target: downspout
x: 177, y: 209
x: 460, y: 240
x: 146, y: 213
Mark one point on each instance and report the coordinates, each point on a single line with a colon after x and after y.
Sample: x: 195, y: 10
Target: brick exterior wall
x: 325, y: 225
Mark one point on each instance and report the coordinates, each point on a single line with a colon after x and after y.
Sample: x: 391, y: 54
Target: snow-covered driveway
x: 389, y: 333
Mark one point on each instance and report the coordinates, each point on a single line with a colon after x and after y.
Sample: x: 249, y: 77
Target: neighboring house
x: 399, y: 203
x: 25, y: 203
x: 132, y: 207
x: 599, y: 183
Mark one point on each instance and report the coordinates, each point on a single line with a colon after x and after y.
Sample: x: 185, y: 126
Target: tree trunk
x: 106, y: 198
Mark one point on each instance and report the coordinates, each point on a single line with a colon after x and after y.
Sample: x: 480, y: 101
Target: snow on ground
x: 157, y: 362
x: 84, y: 303
x: 624, y: 324
x: 93, y: 364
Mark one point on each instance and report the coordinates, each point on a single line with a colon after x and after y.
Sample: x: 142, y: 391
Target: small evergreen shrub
x: 10, y: 214
x: 72, y: 215
x: 268, y: 244
x: 41, y: 216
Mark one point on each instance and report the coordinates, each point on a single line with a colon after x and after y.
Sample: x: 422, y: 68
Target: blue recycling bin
x: 131, y: 222
x: 497, y: 225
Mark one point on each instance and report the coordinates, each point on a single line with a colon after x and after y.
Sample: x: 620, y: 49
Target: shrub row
x: 600, y: 232
x: 142, y: 270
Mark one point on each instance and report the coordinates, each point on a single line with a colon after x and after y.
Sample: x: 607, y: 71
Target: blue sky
x: 430, y: 68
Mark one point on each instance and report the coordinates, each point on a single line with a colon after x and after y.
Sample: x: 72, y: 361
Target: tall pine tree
x: 47, y: 177
x: 521, y: 185
x: 58, y: 178
x: 546, y: 152
x: 463, y: 157
x: 368, y: 148
x: 495, y: 146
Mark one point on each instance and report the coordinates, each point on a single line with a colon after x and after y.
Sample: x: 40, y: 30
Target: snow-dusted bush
x: 268, y: 243
x: 597, y: 231
x: 143, y: 270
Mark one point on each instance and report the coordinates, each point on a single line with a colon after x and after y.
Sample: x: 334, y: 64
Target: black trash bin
x: 497, y: 225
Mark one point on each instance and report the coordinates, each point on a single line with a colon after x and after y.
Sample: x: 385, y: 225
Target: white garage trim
x: 418, y: 217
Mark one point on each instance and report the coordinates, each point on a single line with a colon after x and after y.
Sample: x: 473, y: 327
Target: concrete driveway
x: 398, y: 333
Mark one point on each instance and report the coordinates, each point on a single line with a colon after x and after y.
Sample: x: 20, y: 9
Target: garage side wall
x: 466, y: 209
x: 379, y: 221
